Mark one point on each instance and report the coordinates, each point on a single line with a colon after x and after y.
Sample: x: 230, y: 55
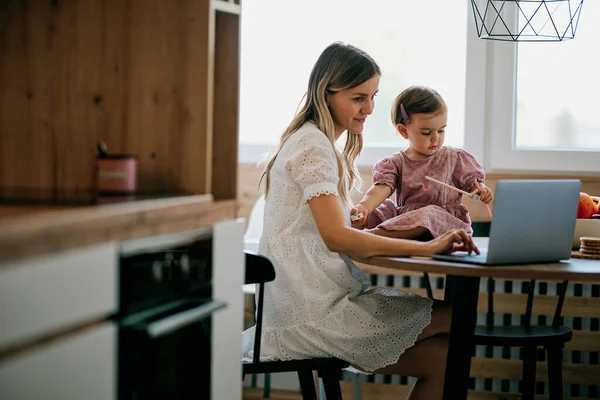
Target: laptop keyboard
x: 474, y: 257
x: 463, y: 255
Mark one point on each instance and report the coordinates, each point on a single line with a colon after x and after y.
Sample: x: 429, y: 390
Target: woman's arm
x: 340, y: 238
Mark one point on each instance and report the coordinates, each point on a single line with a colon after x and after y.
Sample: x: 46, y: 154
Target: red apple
x: 596, y: 200
x: 587, y: 207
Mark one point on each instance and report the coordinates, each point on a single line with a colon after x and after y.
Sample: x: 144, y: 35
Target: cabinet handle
x: 180, y: 320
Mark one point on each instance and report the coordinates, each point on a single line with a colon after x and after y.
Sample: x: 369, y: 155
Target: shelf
x: 147, y: 77
x: 226, y: 81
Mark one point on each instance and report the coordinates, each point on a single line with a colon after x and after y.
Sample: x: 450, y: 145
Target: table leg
x: 462, y: 292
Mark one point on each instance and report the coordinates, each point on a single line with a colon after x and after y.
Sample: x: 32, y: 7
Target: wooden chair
x: 527, y: 337
x: 258, y: 271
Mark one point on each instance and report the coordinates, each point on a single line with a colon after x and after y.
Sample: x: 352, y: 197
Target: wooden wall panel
x: 132, y: 73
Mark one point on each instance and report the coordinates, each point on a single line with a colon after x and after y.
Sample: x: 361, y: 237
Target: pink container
x: 116, y: 173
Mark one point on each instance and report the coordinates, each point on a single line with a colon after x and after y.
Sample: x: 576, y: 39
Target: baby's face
x: 425, y: 133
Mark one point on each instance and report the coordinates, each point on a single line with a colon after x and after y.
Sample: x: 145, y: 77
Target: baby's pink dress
x: 420, y: 202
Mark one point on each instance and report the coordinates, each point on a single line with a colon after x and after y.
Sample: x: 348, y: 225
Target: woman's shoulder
x: 310, y: 132
x: 308, y: 137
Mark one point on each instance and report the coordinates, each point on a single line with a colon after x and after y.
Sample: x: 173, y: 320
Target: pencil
x: 471, y: 195
x: 450, y: 186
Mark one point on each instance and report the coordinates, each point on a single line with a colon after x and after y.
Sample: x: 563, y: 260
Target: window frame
x: 490, y: 112
x: 502, y: 154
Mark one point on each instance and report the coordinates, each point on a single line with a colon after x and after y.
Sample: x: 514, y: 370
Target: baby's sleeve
x: 385, y: 172
x: 313, y: 166
x: 467, y: 171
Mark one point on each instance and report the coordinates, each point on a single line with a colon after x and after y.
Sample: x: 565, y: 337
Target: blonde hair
x: 339, y: 67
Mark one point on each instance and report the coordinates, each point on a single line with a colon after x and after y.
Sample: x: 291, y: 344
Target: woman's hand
x: 358, y: 209
x: 451, y: 241
x: 484, y: 192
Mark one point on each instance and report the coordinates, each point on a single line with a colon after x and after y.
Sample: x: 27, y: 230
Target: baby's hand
x: 360, y: 222
x: 485, y: 193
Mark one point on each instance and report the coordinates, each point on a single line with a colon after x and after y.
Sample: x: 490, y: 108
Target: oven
x: 164, y: 320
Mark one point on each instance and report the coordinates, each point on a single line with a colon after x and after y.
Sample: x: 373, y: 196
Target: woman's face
x: 350, y: 108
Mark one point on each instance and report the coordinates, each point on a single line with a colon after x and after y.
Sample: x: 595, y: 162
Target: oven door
x: 165, y: 352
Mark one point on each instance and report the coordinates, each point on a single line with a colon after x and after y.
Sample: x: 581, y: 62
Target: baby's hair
x: 416, y: 100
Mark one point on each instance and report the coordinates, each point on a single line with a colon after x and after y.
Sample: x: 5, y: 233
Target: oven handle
x: 180, y: 320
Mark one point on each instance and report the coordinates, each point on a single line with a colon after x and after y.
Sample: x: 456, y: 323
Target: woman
x: 320, y: 304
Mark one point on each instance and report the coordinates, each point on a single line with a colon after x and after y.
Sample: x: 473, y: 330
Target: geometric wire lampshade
x: 527, y: 20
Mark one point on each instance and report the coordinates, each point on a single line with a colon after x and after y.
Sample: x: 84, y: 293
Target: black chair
x: 552, y: 338
x: 258, y: 271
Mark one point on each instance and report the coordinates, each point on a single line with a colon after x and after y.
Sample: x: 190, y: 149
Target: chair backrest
x: 556, y: 320
x: 482, y: 229
x: 259, y: 270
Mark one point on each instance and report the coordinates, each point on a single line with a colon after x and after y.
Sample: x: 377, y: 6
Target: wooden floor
x: 380, y: 391
x: 369, y: 391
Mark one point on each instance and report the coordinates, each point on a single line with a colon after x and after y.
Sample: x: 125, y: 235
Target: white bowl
x: 585, y: 228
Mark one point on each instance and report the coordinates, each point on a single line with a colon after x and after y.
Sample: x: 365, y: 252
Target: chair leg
x: 528, y: 378
x: 555, y: 382
x: 322, y: 395
x: 356, y: 387
x: 251, y: 298
x: 307, y: 385
x: 331, y: 382
x: 267, y: 388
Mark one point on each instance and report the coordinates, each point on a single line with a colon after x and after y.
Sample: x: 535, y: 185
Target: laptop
x: 533, y: 222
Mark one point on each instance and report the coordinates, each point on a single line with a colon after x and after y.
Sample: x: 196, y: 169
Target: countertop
x: 37, y: 230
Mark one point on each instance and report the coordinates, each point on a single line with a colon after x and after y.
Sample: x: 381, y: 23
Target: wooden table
x: 462, y: 292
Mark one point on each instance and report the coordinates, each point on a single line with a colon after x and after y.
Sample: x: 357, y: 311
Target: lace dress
x: 420, y: 202
x: 320, y: 304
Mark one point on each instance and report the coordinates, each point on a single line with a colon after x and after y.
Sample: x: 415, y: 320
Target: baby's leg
x: 419, y: 233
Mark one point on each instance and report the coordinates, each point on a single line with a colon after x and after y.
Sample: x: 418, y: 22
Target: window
x: 412, y: 45
x: 544, y: 112
x: 529, y: 107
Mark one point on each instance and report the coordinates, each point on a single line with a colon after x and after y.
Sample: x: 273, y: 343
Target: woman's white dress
x: 320, y: 304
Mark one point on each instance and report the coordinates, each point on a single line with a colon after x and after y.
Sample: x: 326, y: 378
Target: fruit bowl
x: 585, y: 228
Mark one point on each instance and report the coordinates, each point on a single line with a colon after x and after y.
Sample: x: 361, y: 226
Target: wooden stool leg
x: 331, y: 382
x: 267, y: 388
x: 555, y: 372
x: 250, y: 298
x: 307, y: 385
x: 528, y: 378
x: 322, y: 395
x: 356, y: 387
